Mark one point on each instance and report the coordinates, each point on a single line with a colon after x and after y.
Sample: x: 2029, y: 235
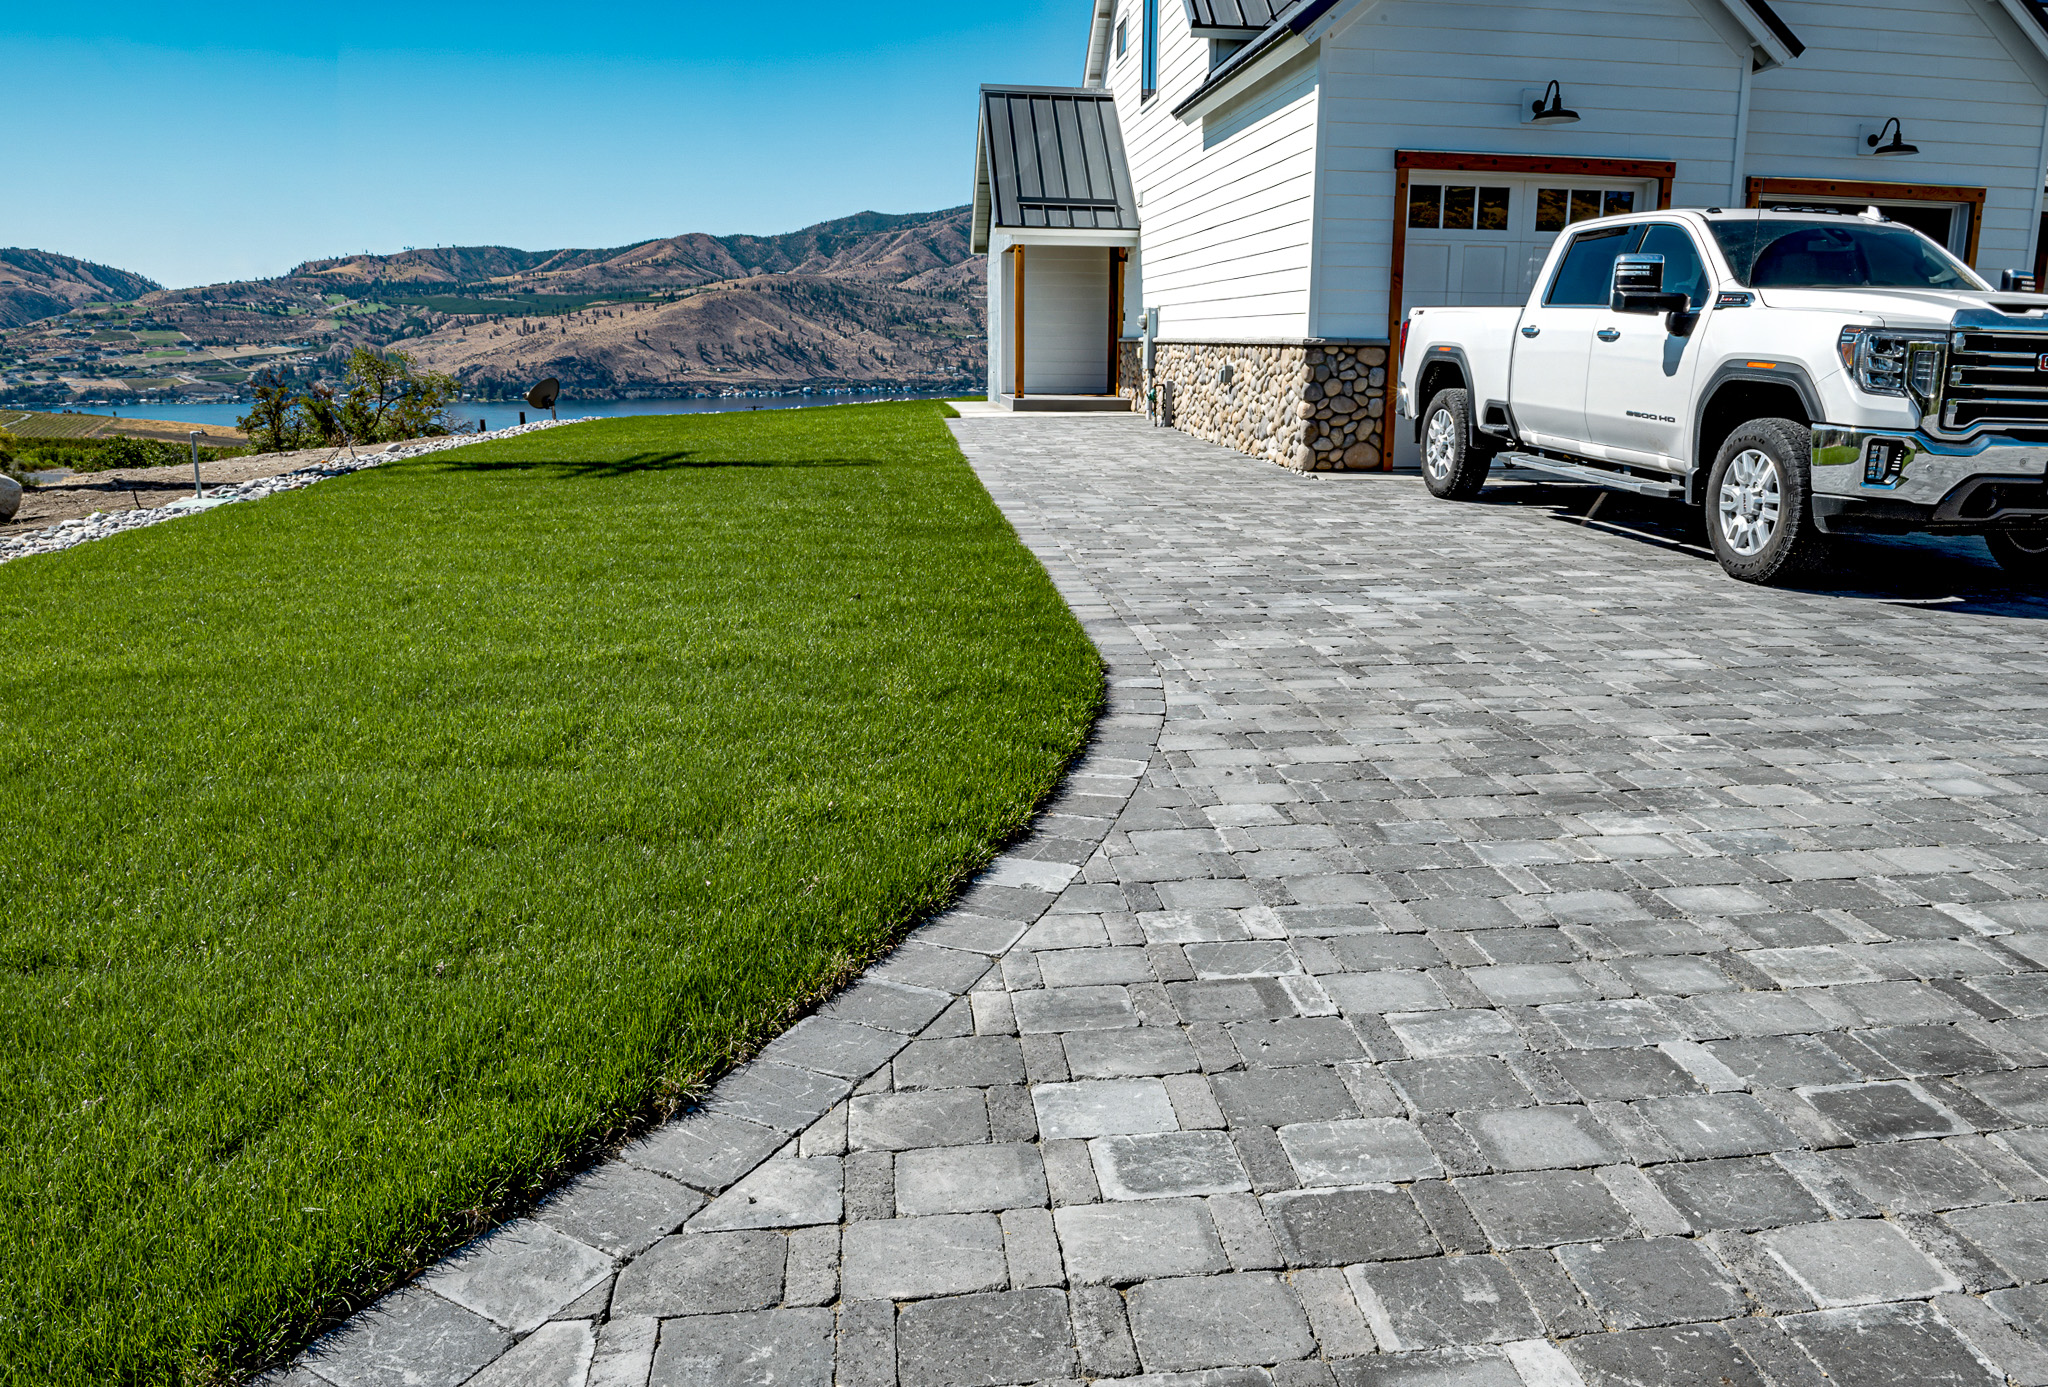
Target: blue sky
x: 200, y: 143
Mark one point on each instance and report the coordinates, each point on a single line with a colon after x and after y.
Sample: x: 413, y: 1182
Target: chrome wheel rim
x: 1440, y: 444
x: 2029, y: 541
x: 1750, y: 502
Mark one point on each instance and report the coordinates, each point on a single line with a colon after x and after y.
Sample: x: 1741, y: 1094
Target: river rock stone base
x: 1317, y: 407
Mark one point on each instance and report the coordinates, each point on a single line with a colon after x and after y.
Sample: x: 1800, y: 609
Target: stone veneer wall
x: 1316, y: 407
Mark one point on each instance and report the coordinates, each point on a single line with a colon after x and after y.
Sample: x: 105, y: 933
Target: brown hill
x: 41, y: 284
x: 766, y: 331
x: 869, y: 300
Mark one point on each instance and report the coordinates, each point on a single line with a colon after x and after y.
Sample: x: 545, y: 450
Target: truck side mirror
x: 1639, y: 287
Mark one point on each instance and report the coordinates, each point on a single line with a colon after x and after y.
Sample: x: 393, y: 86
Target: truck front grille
x: 1996, y: 378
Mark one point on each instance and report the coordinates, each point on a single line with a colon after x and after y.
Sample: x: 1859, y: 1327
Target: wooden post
x: 1017, y: 284
x: 1117, y: 255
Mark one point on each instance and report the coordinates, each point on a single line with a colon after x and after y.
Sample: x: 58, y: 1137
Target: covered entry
x: 1055, y: 212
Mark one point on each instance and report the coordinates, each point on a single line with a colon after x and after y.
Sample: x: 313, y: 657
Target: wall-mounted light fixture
x: 1546, y: 107
x: 1874, y: 141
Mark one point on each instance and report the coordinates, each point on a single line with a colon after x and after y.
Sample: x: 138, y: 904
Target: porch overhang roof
x: 1050, y: 159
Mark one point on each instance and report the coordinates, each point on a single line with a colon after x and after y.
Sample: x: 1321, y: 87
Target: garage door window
x: 1457, y: 207
x: 1557, y: 208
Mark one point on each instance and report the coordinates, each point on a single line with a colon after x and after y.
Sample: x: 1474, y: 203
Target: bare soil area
x: 140, y: 488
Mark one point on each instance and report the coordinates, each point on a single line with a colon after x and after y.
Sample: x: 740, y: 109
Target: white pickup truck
x: 1797, y: 372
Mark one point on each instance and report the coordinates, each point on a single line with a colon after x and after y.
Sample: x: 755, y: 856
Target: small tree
x: 387, y: 399
x: 276, y: 422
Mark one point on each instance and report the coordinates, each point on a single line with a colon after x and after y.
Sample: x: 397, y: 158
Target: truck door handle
x: 1608, y: 334
x: 1531, y: 330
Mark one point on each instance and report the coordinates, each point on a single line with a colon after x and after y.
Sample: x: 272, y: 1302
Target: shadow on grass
x: 1946, y: 572
x: 635, y: 462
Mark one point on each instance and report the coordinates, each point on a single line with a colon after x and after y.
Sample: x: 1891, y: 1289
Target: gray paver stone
x: 1131, y: 1242
x: 518, y: 1275
x: 1367, y: 1150
x: 555, y: 1355
x: 908, y: 1258
x: 1235, y: 1320
x: 1540, y: 1138
x: 905, y: 1121
x: 1543, y: 1208
x: 780, y: 1194
x: 1442, y: 1302
x: 984, y: 1340
x: 410, y: 1339
x: 1856, y: 1262
x: 1160, y: 1165
x: 969, y: 1179
x: 1637, y: 1283
x: 1692, y: 1355
x: 769, y: 1348
x: 1102, y: 1107
x: 619, y: 1209
x: 1335, y: 1227
x: 703, y: 1274
x: 1871, y: 1343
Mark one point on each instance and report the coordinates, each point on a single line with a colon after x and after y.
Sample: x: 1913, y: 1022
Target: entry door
x: 1640, y: 374
x: 1553, y: 355
x: 1480, y: 238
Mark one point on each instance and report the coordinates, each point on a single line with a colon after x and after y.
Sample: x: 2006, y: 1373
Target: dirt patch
x: 141, y: 488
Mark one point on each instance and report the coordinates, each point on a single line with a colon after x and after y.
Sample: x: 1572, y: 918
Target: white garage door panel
x: 1480, y: 239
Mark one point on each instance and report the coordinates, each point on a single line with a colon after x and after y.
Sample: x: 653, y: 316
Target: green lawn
x: 375, y: 850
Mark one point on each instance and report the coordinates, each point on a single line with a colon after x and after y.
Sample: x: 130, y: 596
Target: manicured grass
x: 373, y: 850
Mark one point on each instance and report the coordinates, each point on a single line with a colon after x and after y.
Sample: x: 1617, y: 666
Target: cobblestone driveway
x: 1520, y: 955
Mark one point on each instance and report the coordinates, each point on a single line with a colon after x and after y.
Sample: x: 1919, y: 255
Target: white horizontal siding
x: 1972, y: 106
x: 1228, y: 201
x: 1650, y: 79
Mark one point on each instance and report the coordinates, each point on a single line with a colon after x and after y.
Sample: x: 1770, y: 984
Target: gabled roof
x: 1050, y: 157
x: 1287, y: 18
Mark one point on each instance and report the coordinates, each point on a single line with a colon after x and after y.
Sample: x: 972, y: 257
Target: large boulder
x: 10, y: 498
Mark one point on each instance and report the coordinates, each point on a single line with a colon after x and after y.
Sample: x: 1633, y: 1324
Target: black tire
x: 1760, y: 503
x: 1453, y: 466
x: 2023, y: 554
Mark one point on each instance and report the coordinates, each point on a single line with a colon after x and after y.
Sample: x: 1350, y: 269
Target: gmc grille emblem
x: 2041, y: 362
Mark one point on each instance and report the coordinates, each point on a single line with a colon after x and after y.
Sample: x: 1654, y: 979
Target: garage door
x: 1480, y: 238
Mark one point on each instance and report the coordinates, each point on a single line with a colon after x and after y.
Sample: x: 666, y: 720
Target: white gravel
x: 100, y: 524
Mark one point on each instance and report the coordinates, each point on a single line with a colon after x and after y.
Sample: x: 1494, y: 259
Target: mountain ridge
x: 38, y: 284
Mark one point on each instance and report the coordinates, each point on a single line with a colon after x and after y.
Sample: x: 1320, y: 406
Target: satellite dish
x: 543, y: 396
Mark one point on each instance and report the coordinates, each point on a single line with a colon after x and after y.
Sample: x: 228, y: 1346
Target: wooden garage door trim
x: 1405, y: 160
x: 1971, y: 198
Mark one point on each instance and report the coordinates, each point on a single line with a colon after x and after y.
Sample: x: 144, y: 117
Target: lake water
x: 499, y: 416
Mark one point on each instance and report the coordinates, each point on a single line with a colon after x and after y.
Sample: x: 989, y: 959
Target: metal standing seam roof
x: 1051, y: 157
x: 1235, y: 16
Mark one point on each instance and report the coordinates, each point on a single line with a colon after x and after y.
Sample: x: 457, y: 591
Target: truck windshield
x: 1838, y: 253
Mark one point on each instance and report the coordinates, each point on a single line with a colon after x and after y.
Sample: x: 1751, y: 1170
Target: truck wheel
x: 2021, y: 553
x: 1759, y: 511
x: 1451, y: 466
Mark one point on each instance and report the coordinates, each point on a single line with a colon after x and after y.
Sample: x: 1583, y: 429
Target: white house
x: 1281, y: 179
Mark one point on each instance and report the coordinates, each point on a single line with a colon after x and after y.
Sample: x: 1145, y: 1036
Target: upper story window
x: 1221, y: 49
x: 1150, y: 38
x: 1123, y: 36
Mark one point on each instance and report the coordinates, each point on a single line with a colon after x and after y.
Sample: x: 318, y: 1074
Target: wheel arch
x: 1444, y: 368
x: 1737, y: 393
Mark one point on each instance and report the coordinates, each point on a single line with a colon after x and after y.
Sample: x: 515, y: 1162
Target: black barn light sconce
x: 1547, y: 108
x: 1874, y: 142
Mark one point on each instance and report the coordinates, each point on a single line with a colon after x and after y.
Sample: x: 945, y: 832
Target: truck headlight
x: 1884, y: 362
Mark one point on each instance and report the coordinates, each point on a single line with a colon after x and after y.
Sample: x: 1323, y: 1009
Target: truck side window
x: 1586, y: 275
x: 1684, y: 271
